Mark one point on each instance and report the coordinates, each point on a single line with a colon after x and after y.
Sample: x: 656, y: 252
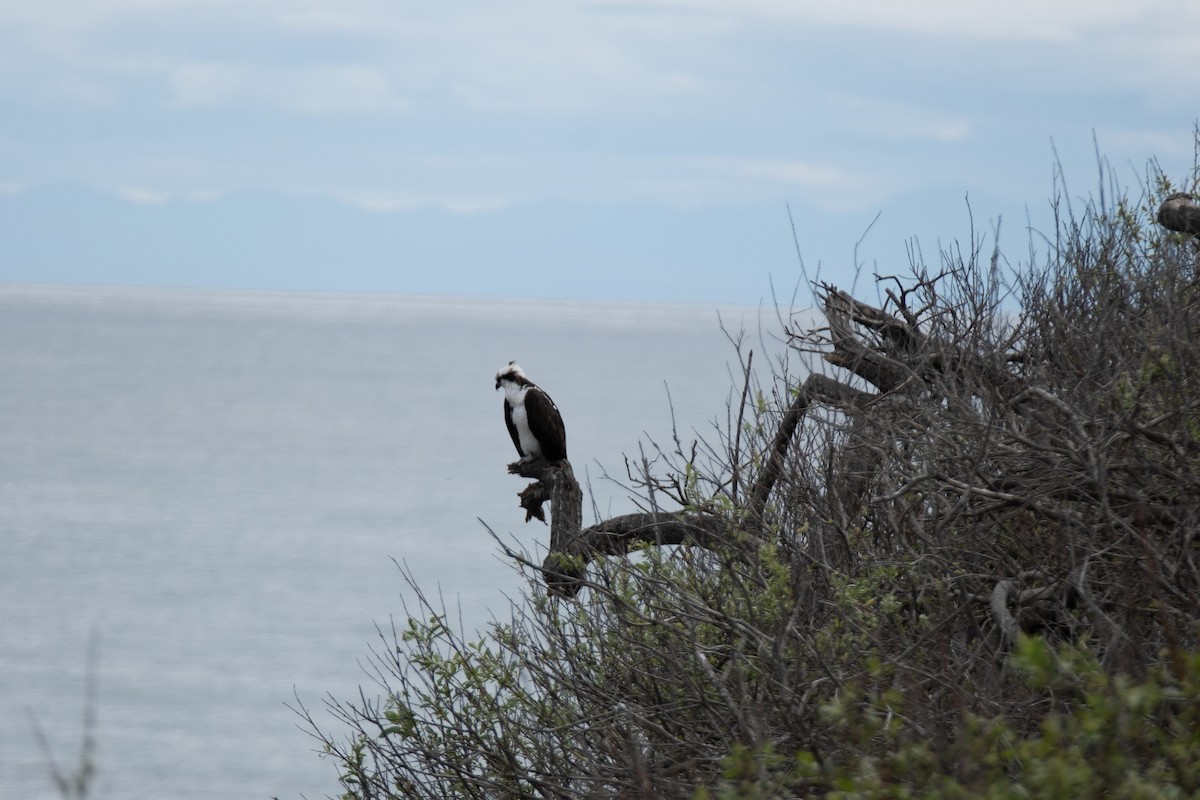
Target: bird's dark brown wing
x: 546, y: 424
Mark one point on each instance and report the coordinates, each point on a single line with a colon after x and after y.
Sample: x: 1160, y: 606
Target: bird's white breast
x: 515, y: 395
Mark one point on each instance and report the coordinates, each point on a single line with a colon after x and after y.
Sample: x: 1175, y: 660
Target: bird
x: 532, y: 418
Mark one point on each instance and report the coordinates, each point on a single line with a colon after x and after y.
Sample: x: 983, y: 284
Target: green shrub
x: 962, y: 562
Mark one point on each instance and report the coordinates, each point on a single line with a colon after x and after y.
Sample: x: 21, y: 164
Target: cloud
x: 470, y: 185
x: 1009, y: 20
x: 583, y: 57
x: 195, y: 85
x: 477, y: 105
x: 704, y: 180
x: 1174, y: 145
x: 385, y: 201
x: 889, y: 119
x: 142, y: 196
x: 315, y: 89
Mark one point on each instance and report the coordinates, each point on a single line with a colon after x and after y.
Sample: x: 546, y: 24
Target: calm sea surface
x: 214, y: 486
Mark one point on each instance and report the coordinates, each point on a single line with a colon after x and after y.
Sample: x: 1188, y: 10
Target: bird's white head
x: 512, y: 372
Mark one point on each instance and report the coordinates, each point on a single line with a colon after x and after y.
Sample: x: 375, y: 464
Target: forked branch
x: 572, y: 546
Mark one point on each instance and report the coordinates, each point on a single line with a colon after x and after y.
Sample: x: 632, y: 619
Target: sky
x: 681, y: 151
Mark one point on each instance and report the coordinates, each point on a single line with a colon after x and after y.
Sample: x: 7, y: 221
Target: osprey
x: 532, y: 418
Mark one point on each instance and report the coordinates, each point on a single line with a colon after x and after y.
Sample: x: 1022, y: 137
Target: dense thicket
x: 958, y: 556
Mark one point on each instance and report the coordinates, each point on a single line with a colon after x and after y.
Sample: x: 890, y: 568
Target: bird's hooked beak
x: 497, y: 383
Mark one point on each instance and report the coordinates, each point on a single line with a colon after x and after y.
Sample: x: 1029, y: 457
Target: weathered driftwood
x: 1181, y: 212
x: 572, y: 546
x: 889, y: 353
x: 909, y: 376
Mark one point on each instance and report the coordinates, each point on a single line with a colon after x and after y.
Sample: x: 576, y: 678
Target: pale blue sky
x: 561, y: 148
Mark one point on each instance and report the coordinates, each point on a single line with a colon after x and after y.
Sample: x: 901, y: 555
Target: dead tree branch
x: 572, y: 547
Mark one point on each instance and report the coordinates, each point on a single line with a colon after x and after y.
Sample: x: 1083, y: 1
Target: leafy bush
x: 958, y: 558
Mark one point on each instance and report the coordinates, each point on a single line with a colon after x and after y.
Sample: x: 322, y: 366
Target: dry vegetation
x: 958, y: 558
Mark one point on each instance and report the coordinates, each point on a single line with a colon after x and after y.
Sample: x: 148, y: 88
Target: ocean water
x: 214, y: 487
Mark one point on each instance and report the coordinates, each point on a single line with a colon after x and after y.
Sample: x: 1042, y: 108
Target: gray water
x: 214, y: 485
